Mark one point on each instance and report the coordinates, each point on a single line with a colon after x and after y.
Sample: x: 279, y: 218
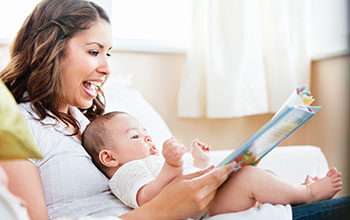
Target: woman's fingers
x: 214, y: 178
x: 198, y: 173
x: 217, y: 176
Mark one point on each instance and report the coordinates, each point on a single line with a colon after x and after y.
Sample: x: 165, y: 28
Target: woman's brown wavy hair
x: 33, y: 73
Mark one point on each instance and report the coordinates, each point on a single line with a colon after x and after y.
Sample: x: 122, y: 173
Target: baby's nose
x: 148, y: 139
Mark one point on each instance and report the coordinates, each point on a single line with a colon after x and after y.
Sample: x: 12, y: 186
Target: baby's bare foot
x: 200, y: 154
x: 309, y: 180
x: 326, y: 187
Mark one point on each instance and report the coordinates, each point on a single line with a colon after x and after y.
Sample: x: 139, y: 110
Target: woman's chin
x: 85, y: 105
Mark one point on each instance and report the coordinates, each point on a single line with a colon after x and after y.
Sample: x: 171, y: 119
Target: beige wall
x: 157, y: 76
x: 331, y: 129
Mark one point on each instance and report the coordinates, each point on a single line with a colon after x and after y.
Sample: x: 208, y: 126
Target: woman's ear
x: 108, y: 159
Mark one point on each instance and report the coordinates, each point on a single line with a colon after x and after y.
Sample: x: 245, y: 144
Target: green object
x: 16, y: 140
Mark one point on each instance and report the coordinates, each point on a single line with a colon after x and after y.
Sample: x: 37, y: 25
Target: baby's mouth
x: 153, y: 150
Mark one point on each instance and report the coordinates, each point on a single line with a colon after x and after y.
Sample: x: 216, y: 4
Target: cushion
x: 120, y: 96
x: 16, y: 140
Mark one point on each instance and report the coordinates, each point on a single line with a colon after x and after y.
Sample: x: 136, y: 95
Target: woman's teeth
x: 93, y: 84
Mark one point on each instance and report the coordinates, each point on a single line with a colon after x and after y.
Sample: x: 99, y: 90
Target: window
x: 152, y: 25
x: 138, y: 25
x: 165, y: 25
x: 12, y: 15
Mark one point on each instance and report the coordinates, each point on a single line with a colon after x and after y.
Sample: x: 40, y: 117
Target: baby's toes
x: 195, y: 148
x: 332, y: 172
x: 316, y: 178
x: 336, y: 180
x: 195, y: 142
x: 206, y: 147
x: 338, y: 184
x: 308, y: 180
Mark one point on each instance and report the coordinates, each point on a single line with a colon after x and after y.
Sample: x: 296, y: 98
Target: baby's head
x: 116, y: 138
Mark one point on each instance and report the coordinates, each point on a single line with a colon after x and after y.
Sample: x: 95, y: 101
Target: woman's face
x: 85, y: 67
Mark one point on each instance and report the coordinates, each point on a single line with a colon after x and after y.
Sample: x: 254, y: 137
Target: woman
x: 58, y: 62
x: 59, y: 59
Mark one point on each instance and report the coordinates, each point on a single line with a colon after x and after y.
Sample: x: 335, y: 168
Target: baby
x: 123, y: 150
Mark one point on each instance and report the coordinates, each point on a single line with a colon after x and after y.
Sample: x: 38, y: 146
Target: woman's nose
x: 103, y: 66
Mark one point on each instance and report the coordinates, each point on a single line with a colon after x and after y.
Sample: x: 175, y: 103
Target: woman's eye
x: 135, y: 137
x: 108, y: 54
x: 93, y: 52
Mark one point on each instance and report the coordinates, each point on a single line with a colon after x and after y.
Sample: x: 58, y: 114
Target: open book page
x: 293, y: 113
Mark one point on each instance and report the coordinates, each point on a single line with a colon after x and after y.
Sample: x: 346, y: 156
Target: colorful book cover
x: 291, y: 115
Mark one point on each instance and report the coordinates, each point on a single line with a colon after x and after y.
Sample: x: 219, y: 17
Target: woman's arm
x: 184, y: 197
x: 25, y: 182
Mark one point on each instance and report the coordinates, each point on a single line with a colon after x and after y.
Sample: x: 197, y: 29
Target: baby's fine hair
x: 97, y: 137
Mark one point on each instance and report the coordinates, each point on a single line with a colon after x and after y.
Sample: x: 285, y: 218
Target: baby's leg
x: 250, y: 184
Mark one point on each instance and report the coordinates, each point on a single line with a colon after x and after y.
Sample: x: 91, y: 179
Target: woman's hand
x: 184, y: 197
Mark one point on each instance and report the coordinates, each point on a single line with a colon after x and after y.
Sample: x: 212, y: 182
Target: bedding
x: 121, y: 96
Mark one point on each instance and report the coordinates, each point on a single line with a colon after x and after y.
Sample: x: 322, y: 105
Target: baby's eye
x: 93, y: 52
x: 135, y: 137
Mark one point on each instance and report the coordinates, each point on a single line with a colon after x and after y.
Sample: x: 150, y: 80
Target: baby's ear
x: 108, y: 159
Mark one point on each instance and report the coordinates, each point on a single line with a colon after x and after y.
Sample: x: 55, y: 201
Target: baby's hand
x: 200, y: 154
x: 173, y: 152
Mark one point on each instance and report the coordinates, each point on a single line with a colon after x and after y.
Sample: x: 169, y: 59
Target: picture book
x: 291, y: 115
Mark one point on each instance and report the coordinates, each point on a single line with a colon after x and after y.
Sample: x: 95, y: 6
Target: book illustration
x: 291, y: 115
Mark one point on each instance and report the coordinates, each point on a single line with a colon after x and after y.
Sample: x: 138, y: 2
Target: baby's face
x: 131, y: 140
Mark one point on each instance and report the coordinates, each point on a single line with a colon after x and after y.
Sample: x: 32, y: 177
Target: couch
x: 290, y: 162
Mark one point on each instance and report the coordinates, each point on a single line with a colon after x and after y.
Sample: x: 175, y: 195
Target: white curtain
x: 246, y: 56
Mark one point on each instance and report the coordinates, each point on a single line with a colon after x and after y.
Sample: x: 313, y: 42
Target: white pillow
x: 120, y: 96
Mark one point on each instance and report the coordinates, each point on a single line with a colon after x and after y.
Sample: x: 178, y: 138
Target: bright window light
x: 12, y: 15
x: 138, y: 25
x: 156, y: 23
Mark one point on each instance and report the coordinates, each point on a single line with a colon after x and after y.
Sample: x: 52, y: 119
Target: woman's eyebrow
x: 98, y: 44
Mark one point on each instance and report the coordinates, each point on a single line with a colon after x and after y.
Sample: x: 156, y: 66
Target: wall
x: 331, y: 129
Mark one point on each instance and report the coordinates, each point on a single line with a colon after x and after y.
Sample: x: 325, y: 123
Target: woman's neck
x: 64, y: 109
x: 69, y: 127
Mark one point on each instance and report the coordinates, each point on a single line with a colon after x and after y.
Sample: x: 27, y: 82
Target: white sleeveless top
x: 73, y: 186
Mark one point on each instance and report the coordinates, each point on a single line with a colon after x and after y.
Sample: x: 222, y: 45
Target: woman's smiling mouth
x: 91, y: 87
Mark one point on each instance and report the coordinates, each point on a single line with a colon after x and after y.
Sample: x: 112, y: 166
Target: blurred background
x: 218, y: 70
